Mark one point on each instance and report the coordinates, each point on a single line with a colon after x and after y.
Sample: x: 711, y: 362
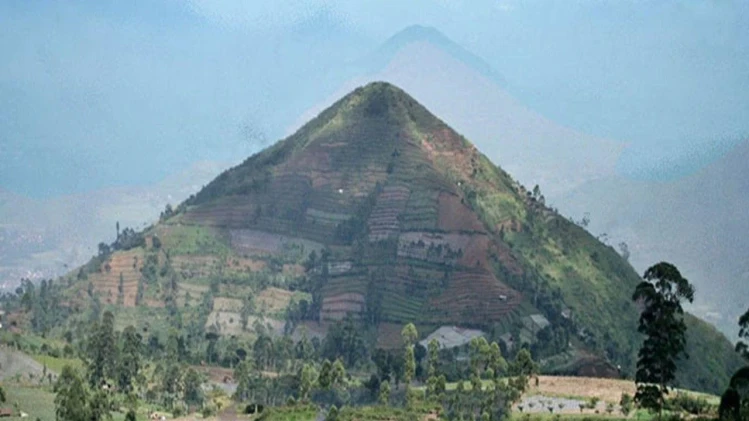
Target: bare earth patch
x: 609, y: 390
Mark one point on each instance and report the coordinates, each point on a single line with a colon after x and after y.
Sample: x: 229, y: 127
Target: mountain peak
x: 415, y: 34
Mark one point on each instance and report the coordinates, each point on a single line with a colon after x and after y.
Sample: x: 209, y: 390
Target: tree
x: 102, y: 351
x: 662, y: 323
x: 71, y: 402
x: 384, y: 396
x: 332, y: 414
x: 410, y: 365
x: 409, y: 334
x: 496, y: 361
x: 625, y: 404
x: 307, y: 377
x: 324, y: 379
x: 192, y: 385
x: 522, y: 369
x: 3, y: 398
x: 245, y: 377
x: 99, y: 406
x: 434, y: 358
x: 624, y: 250
x: 338, y: 374
x: 130, y: 363
x: 741, y: 346
x: 734, y: 404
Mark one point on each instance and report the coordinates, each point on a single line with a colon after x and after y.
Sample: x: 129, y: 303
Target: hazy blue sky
x: 95, y: 93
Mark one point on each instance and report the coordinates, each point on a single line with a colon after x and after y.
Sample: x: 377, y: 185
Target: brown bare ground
x: 389, y: 335
x: 455, y: 216
x: 609, y: 390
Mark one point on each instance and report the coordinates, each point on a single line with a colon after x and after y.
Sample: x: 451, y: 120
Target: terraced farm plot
x: 400, y: 308
x: 384, y: 219
x: 475, y: 295
x: 274, y: 299
x: 336, y: 307
x: 119, y: 277
x: 230, y: 305
x: 248, y: 241
x: 351, y: 283
x: 421, y: 211
x: 440, y: 248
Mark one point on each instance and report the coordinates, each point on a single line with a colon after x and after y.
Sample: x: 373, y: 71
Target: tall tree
x: 324, y: 380
x: 409, y: 334
x: 741, y: 346
x: 244, y: 375
x: 734, y: 404
x: 130, y: 364
x: 384, y: 396
x: 71, y: 402
x: 338, y: 374
x: 99, y: 405
x: 307, y: 377
x: 193, y: 392
x: 410, y: 365
x: 661, y: 321
x: 102, y: 351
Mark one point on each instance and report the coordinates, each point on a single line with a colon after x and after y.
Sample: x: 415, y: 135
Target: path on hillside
x: 15, y: 363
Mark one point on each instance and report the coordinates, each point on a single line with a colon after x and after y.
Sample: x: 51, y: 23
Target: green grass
x: 291, y: 413
x: 56, y: 364
x: 189, y: 239
x: 37, y: 402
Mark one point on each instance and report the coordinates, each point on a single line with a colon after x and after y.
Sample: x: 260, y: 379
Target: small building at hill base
x: 451, y: 337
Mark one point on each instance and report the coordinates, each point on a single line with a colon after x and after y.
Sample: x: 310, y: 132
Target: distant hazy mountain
x: 467, y: 92
x: 699, y: 223
x: 45, y: 237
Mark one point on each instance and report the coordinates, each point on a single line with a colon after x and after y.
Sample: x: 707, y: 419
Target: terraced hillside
x: 378, y: 210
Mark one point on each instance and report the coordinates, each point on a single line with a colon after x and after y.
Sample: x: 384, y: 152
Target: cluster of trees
x: 734, y: 404
x: 114, y: 365
x: 42, y: 303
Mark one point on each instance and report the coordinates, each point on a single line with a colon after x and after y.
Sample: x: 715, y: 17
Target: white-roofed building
x: 451, y: 337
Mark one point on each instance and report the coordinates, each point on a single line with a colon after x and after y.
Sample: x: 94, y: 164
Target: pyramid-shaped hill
x: 378, y: 210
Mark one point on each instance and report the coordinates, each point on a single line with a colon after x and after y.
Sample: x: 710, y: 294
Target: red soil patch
x: 475, y: 252
x: 455, y: 216
x: 506, y: 258
x: 389, y: 336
